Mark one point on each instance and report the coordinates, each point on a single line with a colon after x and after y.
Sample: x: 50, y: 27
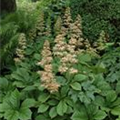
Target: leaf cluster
x: 91, y: 94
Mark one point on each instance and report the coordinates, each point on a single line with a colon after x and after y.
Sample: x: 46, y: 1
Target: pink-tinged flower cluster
x: 47, y: 76
x: 66, y: 52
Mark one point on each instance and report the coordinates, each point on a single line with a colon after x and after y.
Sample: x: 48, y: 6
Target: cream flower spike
x: 48, y: 80
x: 20, y: 51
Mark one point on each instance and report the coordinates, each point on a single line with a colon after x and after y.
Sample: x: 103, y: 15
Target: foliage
x: 9, y: 36
x: 59, y: 75
x: 111, y: 60
x: 97, y: 16
x: 11, y: 26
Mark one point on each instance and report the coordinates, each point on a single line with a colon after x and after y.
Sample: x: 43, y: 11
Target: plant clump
x: 68, y: 44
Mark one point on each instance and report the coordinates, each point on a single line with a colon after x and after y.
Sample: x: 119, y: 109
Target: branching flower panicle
x: 60, y: 45
x: 76, y: 31
x: 67, y: 20
x: 101, y: 41
x: 39, y: 28
x: 20, y: 51
x: 65, y: 51
x: 58, y: 25
x: 47, y: 76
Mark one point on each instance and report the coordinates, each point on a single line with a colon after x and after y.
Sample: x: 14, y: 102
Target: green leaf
x: 111, y: 96
x: 116, y: 111
x: 61, y: 107
x: 17, y: 77
x: 5, y: 106
x: 80, y: 77
x: 76, y: 86
x: 37, y: 56
x: 53, y: 102
x: 99, y: 68
x: 69, y: 110
x: 116, y: 102
x: 11, y: 102
x: 28, y: 103
x: 11, y: 115
x: 25, y: 114
x: 64, y: 90
x: 99, y: 101
x: 42, y: 117
x: 61, y: 80
x: 83, y: 98
x: 118, y: 87
x: 44, y: 97
x: 18, y: 84
x: 79, y: 115
x: 1, y: 110
x: 22, y: 75
x: 90, y: 94
x: 69, y: 101
x: 3, y: 83
x: 43, y: 108
x: 84, y: 57
x: 100, y: 115
x: 53, y: 112
x: 29, y: 88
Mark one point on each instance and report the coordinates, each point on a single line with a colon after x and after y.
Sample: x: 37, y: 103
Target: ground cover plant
x: 57, y: 73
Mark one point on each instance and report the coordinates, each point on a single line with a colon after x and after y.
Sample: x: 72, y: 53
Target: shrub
x: 97, y: 16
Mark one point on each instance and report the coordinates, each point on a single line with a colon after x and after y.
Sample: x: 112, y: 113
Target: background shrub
x: 97, y: 16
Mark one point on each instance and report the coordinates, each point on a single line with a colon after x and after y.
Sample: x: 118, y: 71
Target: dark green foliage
x: 97, y: 16
x: 11, y: 26
x: 111, y: 60
x: 54, y: 9
x: 9, y: 37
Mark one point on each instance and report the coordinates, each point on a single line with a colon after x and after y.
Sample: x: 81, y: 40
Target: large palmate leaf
x: 13, y: 109
x: 80, y: 114
x: 90, y: 112
x: 21, y: 77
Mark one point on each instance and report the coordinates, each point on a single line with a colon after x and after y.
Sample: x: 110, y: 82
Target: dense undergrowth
x: 98, y: 15
x: 50, y: 70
